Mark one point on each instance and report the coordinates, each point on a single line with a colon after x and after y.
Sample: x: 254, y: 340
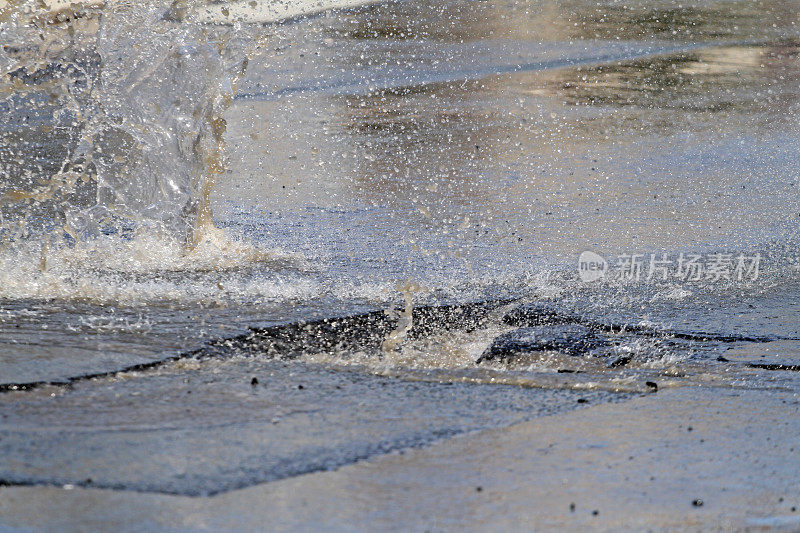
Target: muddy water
x: 397, y: 159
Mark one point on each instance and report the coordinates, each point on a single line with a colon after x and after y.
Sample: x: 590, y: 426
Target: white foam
x: 150, y: 268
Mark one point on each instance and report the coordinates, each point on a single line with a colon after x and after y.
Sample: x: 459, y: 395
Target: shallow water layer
x: 295, y: 419
x: 397, y: 159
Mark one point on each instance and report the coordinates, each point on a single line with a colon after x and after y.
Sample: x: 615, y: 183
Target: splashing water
x: 131, y: 97
x: 388, y: 165
x: 112, y: 164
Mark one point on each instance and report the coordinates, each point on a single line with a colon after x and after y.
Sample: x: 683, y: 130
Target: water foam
x: 148, y: 267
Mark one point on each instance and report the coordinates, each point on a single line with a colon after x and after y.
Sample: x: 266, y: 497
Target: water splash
x: 129, y: 97
x: 113, y: 142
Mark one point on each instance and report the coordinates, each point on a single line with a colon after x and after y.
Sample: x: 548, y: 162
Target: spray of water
x: 114, y: 128
x: 131, y: 97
